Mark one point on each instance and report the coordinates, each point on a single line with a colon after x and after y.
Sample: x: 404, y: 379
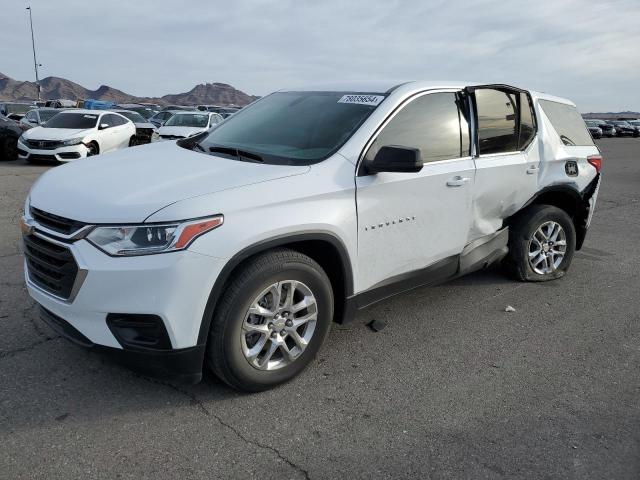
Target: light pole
x: 33, y: 45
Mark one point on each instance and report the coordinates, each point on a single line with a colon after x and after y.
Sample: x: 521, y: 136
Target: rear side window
x: 430, y: 123
x: 567, y: 122
x: 497, y: 132
x: 506, y: 121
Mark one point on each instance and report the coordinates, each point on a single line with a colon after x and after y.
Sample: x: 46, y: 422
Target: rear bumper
x: 589, y: 197
x: 181, y: 365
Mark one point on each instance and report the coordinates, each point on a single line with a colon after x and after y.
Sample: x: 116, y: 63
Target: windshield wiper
x: 236, y: 152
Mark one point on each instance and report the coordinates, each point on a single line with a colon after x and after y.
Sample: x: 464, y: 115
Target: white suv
x: 237, y: 248
x: 73, y: 134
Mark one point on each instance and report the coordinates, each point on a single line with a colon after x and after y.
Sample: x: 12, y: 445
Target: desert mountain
x: 56, y: 87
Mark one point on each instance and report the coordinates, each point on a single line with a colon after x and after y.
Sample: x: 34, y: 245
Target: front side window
x: 73, y: 120
x: 134, y: 117
x: 31, y: 117
x: 294, y: 127
x: 430, y: 123
x: 567, y: 122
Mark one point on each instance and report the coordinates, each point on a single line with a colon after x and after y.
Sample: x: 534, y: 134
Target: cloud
x: 581, y: 49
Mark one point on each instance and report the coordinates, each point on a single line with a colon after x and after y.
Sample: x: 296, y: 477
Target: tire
x: 530, y: 233
x: 94, y: 149
x: 133, y: 142
x: 231, y: 348
x: 9, y: 149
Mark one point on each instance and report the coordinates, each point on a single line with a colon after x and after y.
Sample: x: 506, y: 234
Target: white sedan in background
x: 187, y: 124
x: 74, y: 134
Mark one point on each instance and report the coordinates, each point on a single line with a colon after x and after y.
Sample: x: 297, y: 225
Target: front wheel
x: 92, y: 149
x: 271, y: 320
x: 542, y: 241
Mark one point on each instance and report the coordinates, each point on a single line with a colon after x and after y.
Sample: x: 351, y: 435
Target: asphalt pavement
x: 452, y: 387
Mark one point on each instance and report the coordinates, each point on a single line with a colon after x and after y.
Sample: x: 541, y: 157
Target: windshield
x: 18, y: 108
x: 135, y: 117
x: 200, y: 120
x: 144, y: 112
x: 46, y: 115
x: 294, y: 127
x: 73, y: 120
x: 592, y: 123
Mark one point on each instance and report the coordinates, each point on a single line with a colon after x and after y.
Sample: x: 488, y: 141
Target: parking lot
x: 453, y: 387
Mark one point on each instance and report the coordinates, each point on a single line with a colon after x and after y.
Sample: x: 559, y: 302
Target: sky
x: 584, y: 50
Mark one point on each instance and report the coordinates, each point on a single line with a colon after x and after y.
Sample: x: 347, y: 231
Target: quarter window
x: 567, y: 122
x: 430, y: 123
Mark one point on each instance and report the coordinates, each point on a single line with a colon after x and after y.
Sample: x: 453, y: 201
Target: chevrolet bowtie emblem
x: 25, y: 227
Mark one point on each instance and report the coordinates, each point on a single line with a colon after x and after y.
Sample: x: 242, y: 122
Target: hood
x: 145, y: 125
x: 180, y: 131
x: 44, y: 133
x: 128, y: 185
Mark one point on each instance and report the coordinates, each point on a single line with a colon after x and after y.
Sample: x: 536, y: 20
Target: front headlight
x: 72, y: 142
x: 22, y: 140
x: 155, y: 136
x: 131, y: 240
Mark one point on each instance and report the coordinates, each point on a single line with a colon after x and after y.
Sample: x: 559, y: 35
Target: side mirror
x: 394, y: 158
x: 103, y: 126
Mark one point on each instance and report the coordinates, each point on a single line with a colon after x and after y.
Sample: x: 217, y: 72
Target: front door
x: 408, y: 222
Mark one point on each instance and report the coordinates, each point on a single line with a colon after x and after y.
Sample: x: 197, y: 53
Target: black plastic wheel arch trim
x: 267, y: 244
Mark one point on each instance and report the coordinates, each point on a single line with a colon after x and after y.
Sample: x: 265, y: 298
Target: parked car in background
x: 237, y: 249
x: 635, y: 123
x: 74, y: 134
x: 38, y: 116
x: 145, y: 111
x: 608, y: 130
x: 623, y: 128
x: 145, y: 131
x: 186, y: 124
x: 594, y: 129
x: 161, y: 117
x: 228, y: 111
x: 61, y: 103
x: 178, y: 107
x: 10, y: 131
x: 14, y: 110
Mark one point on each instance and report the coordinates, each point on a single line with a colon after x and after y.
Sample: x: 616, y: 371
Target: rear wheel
x: 271, y: 320
x: 542, y: 241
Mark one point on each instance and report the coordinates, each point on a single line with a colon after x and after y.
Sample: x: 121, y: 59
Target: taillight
x: 596, y: 161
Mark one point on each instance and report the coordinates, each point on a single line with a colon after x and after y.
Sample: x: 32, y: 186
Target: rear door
x: 408, y: 222
x: 507, y: 159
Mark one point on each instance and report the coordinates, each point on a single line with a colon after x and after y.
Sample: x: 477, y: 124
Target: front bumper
x: 171, y: 286
x: 61, y: 154
x: 182, y: 365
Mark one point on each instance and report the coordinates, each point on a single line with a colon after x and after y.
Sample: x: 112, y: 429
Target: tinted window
x: 199, y: 120
x: 31, y: 117
x: 567, y: 122
x: 497, y: 124
x: 45, y: 115
x: 118, y: 120
x: 288, y: 127
x: 430, y: 123
x: 73, y: 120
x: 134, y: 117
x: 527, y: 121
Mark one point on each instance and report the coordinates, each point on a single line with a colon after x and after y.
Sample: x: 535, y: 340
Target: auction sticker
x: 362, y: 99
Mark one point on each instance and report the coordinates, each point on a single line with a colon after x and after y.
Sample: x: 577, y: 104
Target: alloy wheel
x: 547, y: 248
x: 279, y: 325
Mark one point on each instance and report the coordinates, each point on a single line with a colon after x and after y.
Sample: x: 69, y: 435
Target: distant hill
x: 612, y: 115
x: 55, y: 87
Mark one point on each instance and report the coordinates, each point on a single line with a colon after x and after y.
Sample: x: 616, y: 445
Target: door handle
x: 457, y: 181
x: 532, y: 169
